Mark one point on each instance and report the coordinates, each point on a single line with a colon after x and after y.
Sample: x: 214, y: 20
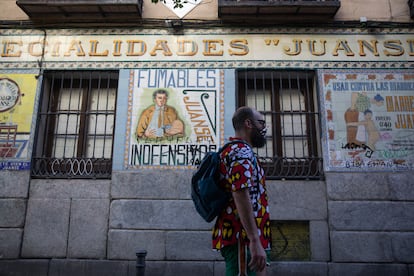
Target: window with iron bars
x: 289, y: 103
x: 75, y: 125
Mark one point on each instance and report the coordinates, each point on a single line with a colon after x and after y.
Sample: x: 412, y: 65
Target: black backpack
x: 208, y: 197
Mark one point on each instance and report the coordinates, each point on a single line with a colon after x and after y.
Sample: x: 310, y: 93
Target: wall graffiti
x: 174, y: 116
x: 369, y: 119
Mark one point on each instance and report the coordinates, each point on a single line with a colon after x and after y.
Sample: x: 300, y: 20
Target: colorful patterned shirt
x: 241, y: 170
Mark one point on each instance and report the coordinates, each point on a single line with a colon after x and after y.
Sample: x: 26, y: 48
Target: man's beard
x: 258, y: 138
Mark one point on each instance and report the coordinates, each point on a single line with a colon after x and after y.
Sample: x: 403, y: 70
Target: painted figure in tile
x: 159, y: 120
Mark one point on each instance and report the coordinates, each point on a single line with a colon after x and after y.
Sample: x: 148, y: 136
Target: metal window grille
x: 289, y: 104
x: 75, y: 125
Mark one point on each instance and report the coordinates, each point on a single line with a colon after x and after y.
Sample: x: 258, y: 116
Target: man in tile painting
x: 159, y: 120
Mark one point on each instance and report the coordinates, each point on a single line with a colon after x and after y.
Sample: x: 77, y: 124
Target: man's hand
x: 258, y: 257
x: 245, y: 209
x: 150, y: 133
x: 177, y: 127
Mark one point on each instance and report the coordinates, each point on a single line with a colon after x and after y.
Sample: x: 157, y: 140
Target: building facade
x: 92, y: 171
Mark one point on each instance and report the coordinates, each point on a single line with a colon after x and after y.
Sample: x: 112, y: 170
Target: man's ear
x: 248, y: 123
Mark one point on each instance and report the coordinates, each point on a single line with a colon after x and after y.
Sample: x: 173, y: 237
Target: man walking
x: 242, y: 230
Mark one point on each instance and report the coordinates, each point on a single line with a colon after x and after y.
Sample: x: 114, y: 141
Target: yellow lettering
x: 76, y: 46
x: 94, y: 47
x: 161, y: 45
x: 411, y: 45
x: 9, y: 50
x: 371, y: 47
x: 182, y: 49
x: 131, y: 48
x: 297, y: 48
x: 405, y: 121
x: 342, y: 45
x: 397, y: 105
x: 389, y: 103
x: 56, y: 49
x: 269, y: 41
x: 200, y: 127
x: 187, y: 101
x: 117, y: 48
x: 312, y: 47
x: 211, y: 44
x: 33, y: 45
x: 393, y: 45
x: 240, y: 44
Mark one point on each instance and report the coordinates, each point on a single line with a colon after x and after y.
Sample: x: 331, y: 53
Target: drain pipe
x: 140, y: 265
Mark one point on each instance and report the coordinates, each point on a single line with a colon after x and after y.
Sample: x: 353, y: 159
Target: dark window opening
x: 75, y: 125
x: 289, y: 103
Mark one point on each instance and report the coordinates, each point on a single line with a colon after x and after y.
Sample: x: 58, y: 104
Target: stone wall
x: 359, y: 223
x: 371, y: 220
x: 14, y: 187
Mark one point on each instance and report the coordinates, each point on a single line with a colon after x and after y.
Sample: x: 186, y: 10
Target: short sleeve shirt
x: 240, y: 170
